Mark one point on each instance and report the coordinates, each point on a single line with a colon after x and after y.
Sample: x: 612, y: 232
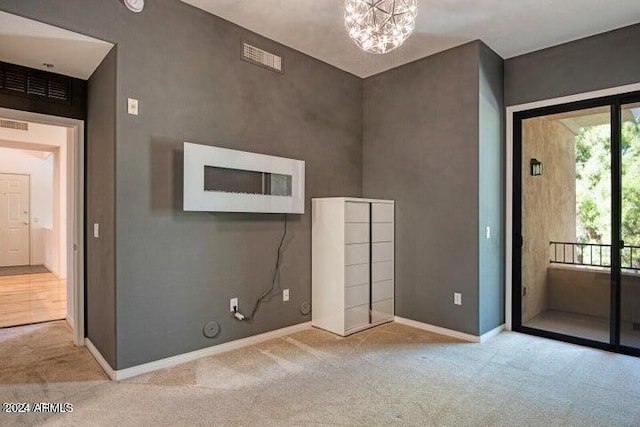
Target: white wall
x: 39, y: 166
x: 54, y: 139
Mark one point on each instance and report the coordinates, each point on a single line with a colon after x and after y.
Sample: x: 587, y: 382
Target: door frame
x: 29, y: 224
x: 75, y: 210
x: 509, y: 184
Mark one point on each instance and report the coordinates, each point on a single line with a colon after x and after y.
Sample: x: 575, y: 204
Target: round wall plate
x: 305, y: 308
x: 211, y: 329
x: 134, y: 5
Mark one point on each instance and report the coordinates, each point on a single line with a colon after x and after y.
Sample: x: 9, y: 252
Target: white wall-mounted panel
x: 197, y: 198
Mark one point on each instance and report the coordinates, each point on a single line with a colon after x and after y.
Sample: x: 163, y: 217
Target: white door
x: 14, y: 220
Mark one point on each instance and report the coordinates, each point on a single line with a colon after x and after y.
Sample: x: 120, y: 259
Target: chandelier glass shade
x: 379, y: 26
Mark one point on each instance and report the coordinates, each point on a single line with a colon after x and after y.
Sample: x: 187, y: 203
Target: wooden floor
x: 32, y: 298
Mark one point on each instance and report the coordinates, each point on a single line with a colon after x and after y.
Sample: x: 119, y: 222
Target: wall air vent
x: 261, y: 57
x: 36, y: 84
x: 10, y: 124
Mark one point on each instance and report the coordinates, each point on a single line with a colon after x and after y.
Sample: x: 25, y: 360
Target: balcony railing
x: 592, y: 254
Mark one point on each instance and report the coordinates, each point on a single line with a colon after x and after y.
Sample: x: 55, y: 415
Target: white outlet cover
x: 132, y: 106
x: 457, y: 298
x: 233, y: 302
x: 96, y: 230
x: 285, y: 295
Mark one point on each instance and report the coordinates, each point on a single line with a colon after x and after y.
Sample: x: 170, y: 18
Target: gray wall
x: 491, y: 194
x: 177, y: 270
x: 421, y: 149
x: 598, y: 62
x: 100, y: 201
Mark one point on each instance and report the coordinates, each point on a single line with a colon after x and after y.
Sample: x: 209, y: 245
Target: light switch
x: 457, y: 298
x: 132, y: 106
x: 96, y: 230
x: 488, y: 232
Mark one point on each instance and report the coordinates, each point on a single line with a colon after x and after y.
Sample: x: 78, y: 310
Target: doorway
x: 32, y: 207
x: 576, y: 222
x: 14, y: 219
x: 65, y: 155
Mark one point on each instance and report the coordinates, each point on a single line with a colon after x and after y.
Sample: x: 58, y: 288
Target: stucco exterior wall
x: 548, y: 205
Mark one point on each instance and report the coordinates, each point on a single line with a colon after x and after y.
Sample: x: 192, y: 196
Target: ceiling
x: 32, y: 43
x: 509, y: 27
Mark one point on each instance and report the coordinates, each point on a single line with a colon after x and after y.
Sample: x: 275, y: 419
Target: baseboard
x: 492, y: 333
x: 70, y: 322
x: 101, y: 360
x: 122, y: 374
x: 450, y: 332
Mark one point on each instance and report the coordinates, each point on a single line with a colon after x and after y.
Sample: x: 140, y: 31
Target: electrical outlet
x: 233, y: 303
x: 457, y: 298
x: 487, y: 232
x: 285, y: 295
x: 96, y: 231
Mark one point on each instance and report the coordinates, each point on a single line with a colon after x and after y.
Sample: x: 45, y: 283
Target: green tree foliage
x: 593, y: 184
x: 631, y: 181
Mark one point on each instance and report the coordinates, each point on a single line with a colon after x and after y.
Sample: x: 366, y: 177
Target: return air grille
x: 261, y: 57
x: 15, y: 79
x: 10, y: 124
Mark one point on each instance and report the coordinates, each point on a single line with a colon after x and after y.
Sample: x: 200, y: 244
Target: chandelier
x: 379, y: 26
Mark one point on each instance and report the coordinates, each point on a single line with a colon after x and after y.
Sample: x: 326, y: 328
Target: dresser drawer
x: 382, y: 212
x: 382, y: 232
x: 382, y: 251
x: 356, y: 212
x: 356, y: 295
x: 382, y: 271
x: 355, y: 232
x: 382, y: 310
x: 356, y: 317
x: 382, y: 290
x: 357, y: 274
x: 357, y: 253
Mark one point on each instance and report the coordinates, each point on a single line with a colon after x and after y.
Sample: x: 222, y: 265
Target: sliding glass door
x: 577, y: 223
x: 630, y: 226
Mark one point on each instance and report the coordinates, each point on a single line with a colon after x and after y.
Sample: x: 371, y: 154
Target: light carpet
x: 387, y: 376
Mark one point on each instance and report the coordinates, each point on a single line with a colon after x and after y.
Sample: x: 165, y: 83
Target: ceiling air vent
x: 10, y: 124
x: 261, y: 57
x: 59, y: 88
x: 15, y: 79
x: 37, y: 84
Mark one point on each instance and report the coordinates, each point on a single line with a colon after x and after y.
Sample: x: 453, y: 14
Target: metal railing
x: 592, y: 254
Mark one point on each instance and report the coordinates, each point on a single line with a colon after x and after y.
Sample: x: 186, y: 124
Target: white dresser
x: 352, y: 269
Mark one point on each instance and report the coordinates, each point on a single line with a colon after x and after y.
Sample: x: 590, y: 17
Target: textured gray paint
x: 491, y: 200
x: 598, y: 62
x: 421, y: 149
x: 100, y: 200
x: 177, y: 270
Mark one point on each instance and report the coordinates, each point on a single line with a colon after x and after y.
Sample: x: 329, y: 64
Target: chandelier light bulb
x: 379, y: 26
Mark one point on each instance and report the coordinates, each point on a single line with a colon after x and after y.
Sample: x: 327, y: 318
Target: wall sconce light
x: 536, y: 167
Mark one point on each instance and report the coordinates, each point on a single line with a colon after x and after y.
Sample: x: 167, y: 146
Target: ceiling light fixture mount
x: 379, y: 26
x: 134, y: 5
